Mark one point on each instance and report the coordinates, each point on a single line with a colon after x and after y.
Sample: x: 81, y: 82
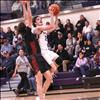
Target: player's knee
x: 59, y: 61
x: 50, y: 79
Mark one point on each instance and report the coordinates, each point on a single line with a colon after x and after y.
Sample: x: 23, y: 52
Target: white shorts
x: 49, y: 56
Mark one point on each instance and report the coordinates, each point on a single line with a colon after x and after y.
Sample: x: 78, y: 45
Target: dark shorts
x: 39, y: 64
x: 43, y: 65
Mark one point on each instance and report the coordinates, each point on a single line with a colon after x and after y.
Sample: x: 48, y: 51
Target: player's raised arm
x: 27, y: 13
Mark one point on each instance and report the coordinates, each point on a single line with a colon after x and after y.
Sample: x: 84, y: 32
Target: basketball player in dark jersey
x: 40, y: 66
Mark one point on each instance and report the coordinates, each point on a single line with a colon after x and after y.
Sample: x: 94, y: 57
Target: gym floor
x: 66, y: 94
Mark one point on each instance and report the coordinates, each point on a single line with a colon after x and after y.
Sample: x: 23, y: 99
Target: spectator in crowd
x: 20, y: 44
x: 79, y: 43
x: 59, y: 40
x: 81, y: 65
x: 95, y: 64
x: 6, y: 47
x: 96, y: 38
x: 80, y: 38
x: 10, y: 34
x: 33, y: 3
x: 98, y: 45
x: 2, y: 36
x: 70, y: 44
x: 81, y: 23
x: 64, y: 55
x: 96, y: 59
x: 16, y: 9
x: 98, y: 25
x: 69, y: 26
x: 15, y: 37
x: 60, y: 27
x: 32, y: 80
x: 15, y: 28
x: 2, y: 33
x: 88, y: 49
x: 87, y: 31
x: 41, y: 4
x: 22, y: 65
x: 8, y: 64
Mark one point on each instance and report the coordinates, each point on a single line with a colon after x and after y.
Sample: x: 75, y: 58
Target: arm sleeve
x: 77, y: 63
x: 84, y: 61
x: 17, y: 61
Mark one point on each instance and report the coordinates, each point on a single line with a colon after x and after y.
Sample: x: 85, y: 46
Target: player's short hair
x: 34, y: 20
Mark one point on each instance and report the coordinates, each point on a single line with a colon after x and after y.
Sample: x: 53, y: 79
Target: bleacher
x: 62, y: 79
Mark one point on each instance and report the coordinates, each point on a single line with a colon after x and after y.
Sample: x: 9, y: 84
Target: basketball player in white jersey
x: 42, y: 31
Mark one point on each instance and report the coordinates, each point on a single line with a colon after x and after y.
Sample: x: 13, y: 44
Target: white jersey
x: 43, y: 41
x: 47, y: 54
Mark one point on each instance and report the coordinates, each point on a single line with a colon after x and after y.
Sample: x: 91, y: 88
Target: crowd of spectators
x: 79, y: 46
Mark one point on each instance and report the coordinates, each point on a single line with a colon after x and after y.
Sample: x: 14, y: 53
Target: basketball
x: 55, y: 8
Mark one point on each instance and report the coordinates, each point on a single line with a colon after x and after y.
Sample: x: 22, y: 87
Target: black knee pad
x: 59, y: 61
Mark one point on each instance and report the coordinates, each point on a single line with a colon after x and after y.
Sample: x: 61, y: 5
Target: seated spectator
x: 16, y: 9
x: 98, y: 25
x: 87, y: 31
x: 69, y: 26
x: 70, y: 44
x: 59, y: 40
x: 64, y: 55
x: 61, y: 27
x: 2, y: 69
x: 15, y: 38
x: 9, y: 34
x: 2, y: 36
x: 33, y: 6
x: 95, y: 64
x: 89, y: 49
x: 81, y: 23
x: 6, y: 47
x: 2, y: 33
x: 20, y: 44
x: 96, y: 38
x: 8, y: 64
x: 81, y: 65
x: 41, y: 4
x: 79, y: 43
x: 22, y: 65
x: 96, y: 59
x: 32, y: 80
x: 98, y: 45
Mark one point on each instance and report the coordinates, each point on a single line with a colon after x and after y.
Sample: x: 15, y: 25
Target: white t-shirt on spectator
x: 87, y: 29
x: 15, y: 39
x: 23, y: 64
x: 16, y: 6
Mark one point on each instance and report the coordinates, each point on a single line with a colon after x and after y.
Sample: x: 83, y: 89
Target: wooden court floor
x: 68, y: 94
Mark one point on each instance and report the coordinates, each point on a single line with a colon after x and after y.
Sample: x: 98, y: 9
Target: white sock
x: 37, y: 98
